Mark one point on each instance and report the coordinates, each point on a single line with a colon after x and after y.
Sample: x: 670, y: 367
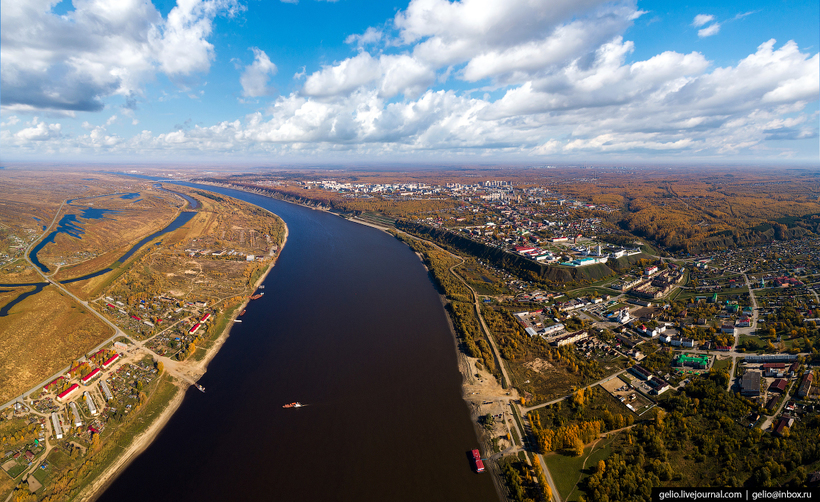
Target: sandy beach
x: 192, y: 371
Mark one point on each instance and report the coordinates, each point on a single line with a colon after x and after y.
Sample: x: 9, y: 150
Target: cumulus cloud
x: 702, y: 19
x: 370, y: 36
x: 390, y: 74
x: 72, y: 62
x: 255, y: 76
x: 38, y: 131
x: 12, y: 120
x: 556, y: 79
x: 710, y: 30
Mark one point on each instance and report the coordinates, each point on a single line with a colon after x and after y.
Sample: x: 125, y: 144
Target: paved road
x: 599, y: 382
x: 766, y: 423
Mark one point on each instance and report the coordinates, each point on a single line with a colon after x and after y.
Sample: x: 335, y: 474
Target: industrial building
x: 750, y: 384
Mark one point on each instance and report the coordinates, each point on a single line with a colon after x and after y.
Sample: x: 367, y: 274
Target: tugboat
x: 242, y: 313
x: 256, y: 297
x: 297, y: 404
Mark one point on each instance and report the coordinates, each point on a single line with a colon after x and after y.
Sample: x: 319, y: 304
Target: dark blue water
x: 352, y: 326
x: 131, y: 195
x: 180, y: 220
x: 67, y: 225
x: 96, y: 213
x: 192, y: 203
x: 37, y: 288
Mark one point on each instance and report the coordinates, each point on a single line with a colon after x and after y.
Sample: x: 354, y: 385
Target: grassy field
x: 42, y: 334
x: 723, y: 364
x: 567, y: 471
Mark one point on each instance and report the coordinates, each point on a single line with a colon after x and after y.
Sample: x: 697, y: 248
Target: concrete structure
x: 658, y: 386
x: 55, y: 422
x: 728, y: 329
x: 640, y: 372
x: 750, y: 384
x: 111, y: 360
x: 569, y: 338
x: 90, y: 376
x: 785, y: 421
x: 771, y: 358
x: 698, y: 361
x: 106, y: 390
x: 90, y: 403
x: 551, y: 330
x: 774, y: 369
x: 805, y: 385
x: 74, y: 411
x: 69, y: 393
x: 778, y: 385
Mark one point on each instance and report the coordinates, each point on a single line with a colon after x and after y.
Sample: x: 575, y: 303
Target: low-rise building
x: 111, y: 360
x: 805, y: 385
x: 90, y: 376
x: 750, y: 384
x: 74, y: 411
x: 641, y: 372
x: 697, y: 361
x: 68, y: 393
x: 58, y: 429
x: 92, y: 408
x: 569, y: 338
x: 106, y: 390
x: 778, y: 385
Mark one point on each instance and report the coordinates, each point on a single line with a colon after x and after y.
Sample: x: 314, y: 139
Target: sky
x: 307, y: 81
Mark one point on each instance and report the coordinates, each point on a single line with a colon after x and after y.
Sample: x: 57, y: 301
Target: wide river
x: 352, y: 326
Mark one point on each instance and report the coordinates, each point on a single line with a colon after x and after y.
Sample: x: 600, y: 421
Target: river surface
x: 351, y: 325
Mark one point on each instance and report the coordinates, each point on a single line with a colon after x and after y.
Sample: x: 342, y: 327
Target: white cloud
x: 101, y: 48
x: 343, y: 77
x: 710, y: 30
x: 255, y: 77
x: 39, y: 131
x: 370, y: 36
x: 557, y: 79
x: 12, y: 120
x: 702, y: 19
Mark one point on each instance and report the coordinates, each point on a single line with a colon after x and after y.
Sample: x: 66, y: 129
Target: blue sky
x: 425, y: 80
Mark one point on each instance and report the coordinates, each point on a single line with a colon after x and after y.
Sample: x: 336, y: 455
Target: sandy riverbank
x: 197, y: 369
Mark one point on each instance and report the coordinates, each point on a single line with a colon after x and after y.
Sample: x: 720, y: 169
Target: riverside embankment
x: 350, y: 325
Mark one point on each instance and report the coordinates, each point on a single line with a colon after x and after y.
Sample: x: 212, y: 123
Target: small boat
x: 237, y: 320
x: 201, y: 388
x: 297, y: 404
x: 262, y: 287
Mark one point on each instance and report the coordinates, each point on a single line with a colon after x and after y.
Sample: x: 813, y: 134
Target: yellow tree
x: 578, y: 447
